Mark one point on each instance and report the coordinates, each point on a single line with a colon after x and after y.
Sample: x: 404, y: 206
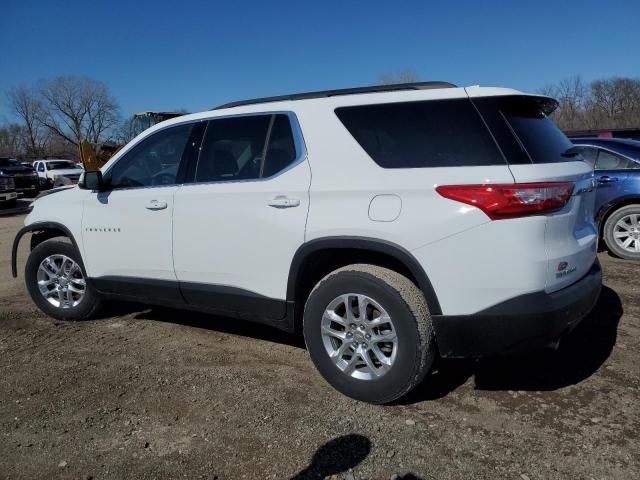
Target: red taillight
x: 512, y: 200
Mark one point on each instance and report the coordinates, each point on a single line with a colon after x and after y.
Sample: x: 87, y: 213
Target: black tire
x: 608, y: 232
x: 405, y: 304
x: 89, y: 304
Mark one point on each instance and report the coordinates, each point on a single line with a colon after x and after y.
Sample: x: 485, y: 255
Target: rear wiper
x: 571, y: 152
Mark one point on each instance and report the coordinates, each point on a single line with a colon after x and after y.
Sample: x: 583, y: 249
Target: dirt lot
x: 156, y: 393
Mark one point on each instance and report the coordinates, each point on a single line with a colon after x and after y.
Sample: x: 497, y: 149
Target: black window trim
x: 298, y: 142
x: 515, y: 135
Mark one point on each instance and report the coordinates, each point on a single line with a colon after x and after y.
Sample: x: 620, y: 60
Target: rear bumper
x: 525, y: 323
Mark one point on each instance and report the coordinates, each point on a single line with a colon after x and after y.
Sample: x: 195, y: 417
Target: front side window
x: 245, y: 148
x: 41, y: 167
x: 435, y: 133
x: 154, y: 161
x: 611, y: 161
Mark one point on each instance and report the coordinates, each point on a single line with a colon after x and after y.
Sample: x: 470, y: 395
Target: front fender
x: 37, y: 227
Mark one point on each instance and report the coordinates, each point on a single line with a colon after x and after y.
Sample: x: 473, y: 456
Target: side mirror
x: 93, y: 181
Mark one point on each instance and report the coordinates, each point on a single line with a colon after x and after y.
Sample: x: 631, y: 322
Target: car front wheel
x: 57, y: 282
x: 369, y: 332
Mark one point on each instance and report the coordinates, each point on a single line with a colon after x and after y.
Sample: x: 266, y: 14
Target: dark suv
x: 24, y: 177
x: 617, y: 170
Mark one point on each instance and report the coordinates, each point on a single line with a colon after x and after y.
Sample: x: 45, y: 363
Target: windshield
x: 7, y: 162
x: 61, y: 165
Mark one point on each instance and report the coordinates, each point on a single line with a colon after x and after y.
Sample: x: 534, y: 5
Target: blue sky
x: 165, y: 55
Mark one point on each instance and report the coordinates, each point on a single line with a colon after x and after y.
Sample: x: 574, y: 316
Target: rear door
x: 611, y: 174
x: 238, y: 225
x: 538, y: 151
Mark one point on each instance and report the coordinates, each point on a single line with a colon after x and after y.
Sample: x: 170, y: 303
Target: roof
x: 341, y: 91
x: 620, y: 141
x: 595, y: 131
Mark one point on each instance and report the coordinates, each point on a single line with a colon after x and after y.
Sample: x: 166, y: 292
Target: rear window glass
x: 435, y: 133
x: 541, y: 138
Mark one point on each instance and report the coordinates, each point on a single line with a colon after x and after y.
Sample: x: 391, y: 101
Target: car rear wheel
x: 368, y: 331
x: 622, y: 232
x: 57, y: 282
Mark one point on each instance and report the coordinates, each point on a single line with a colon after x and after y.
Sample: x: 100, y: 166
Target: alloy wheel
x: 61, y: 282
x: 359, y: 336
x: 626, y: 233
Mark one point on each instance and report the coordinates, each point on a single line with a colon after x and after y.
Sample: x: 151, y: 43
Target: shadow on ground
x: 579, y: 356
x: 228, y: 325
x: 339, y: 456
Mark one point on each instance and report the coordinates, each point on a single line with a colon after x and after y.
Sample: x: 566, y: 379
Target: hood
x: 66, y: 171
x: 54, y: 190
x: 12, y: 170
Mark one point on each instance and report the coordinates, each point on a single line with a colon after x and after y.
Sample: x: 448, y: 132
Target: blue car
x: 617, y: 170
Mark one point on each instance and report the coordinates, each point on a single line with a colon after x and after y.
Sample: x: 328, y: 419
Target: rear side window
x: 611, y: 161
x: 541, y: 138
x: 281, y: 151
x: 245, y: 148
x: 435, y: 133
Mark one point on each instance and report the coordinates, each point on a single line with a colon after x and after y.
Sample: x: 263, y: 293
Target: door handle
x: 282, y: 201
x: 607, y: 179
x: 156, y: 205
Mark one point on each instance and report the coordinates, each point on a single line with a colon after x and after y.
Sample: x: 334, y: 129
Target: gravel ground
x: 156, y: 393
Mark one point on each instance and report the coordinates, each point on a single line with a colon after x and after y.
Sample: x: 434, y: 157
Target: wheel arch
x: 41, y: 231
x: 318, y: 257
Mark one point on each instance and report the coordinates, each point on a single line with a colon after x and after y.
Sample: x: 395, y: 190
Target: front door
x: 127, y: 230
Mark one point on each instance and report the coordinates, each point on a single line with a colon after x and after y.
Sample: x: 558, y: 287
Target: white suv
x: 388, y: 224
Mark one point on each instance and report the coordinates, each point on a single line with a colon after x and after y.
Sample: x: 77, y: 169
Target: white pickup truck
x: 54, y: 173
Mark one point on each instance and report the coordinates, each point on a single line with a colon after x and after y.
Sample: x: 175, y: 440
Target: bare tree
x: 572, y: 94
x: 27, y: 106
x: 405, y: 76
x: 11, y: 140
x: 77, y: 109
x: 605, y: 103
x: 615, y: 102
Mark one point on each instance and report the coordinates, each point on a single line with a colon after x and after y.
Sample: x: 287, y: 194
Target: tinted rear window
x: 435, y: 133
x: 541, y: 138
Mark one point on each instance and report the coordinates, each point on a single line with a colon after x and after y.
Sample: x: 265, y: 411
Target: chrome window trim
x: 298, y: 142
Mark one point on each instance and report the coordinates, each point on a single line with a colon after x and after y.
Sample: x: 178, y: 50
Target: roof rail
x: 341, y: 91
